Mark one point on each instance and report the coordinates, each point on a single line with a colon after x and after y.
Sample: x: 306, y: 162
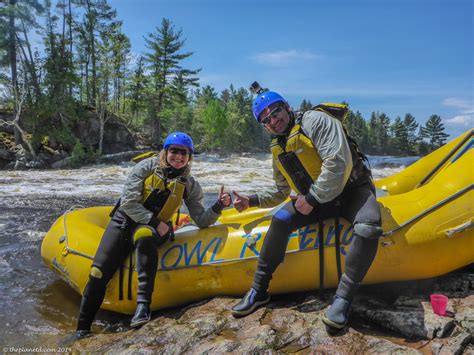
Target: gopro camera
x: 256, y: 88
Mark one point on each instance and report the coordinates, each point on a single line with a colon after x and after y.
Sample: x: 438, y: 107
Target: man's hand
x: 224, y: 198
x: 162, y: 229
x: 301, y: 205
x: 241, y: 203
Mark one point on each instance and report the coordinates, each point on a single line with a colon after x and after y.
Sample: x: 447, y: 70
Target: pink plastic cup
x: 439, y: 304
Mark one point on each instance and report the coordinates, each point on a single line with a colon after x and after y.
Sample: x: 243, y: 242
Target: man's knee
x: 368, y: 231
x: 282, y: 216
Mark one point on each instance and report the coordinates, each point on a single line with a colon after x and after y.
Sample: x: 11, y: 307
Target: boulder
x: 291, y: 323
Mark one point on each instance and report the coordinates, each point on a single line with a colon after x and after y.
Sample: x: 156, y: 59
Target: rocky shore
x: 118, y: 140
x: 387, y: 318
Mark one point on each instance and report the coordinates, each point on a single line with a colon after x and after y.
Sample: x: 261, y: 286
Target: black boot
x: 337, y: 315
x: 92, y: 298
x: 142, y: 315
x: 68, y: 340
x: 251, y: 301
x: 147, y: 263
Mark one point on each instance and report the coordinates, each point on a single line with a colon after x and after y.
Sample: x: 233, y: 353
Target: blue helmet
x: 263, y: 100
x: 179, y: 138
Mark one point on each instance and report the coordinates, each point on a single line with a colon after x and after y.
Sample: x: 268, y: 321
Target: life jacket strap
x: 337, y: 233
x: 321, y: 256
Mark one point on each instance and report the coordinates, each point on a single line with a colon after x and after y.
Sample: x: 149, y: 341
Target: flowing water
x: 37, y: 308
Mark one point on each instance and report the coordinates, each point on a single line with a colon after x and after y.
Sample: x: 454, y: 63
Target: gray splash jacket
x: 329, y: 139
x: 131, y: 200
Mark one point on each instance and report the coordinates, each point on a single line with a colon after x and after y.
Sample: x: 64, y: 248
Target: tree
x: 434, y: 132
x: 399, y: 137
x: 23, y: 11
x: 138, y: 88
x: 412, y: 137
x: 98, y: 18
x: 357, y: 129
x: 241, y: 124
x: 164, y: 62
x: 215, y: 123
x: 178, y: 116
x: 202, y: 97
x: 20, y: 99
x: 305, y: 105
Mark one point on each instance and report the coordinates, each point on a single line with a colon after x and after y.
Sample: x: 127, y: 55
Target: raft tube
x: 428, y: 232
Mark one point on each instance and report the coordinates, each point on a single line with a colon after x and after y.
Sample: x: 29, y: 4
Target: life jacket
x: 298, y: 160
x: 163, y: 196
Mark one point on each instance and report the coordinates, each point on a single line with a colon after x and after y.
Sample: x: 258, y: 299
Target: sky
x: 391, y: 56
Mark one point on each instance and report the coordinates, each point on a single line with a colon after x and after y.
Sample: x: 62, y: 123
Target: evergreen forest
x: 84, y: 63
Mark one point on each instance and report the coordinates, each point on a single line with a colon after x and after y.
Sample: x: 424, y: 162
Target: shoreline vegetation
x: 84, y: 94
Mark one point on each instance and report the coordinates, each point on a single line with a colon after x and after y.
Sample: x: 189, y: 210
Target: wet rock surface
x: 389, y: 318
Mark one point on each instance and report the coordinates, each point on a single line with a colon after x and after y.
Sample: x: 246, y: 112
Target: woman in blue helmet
x: 153, y: 192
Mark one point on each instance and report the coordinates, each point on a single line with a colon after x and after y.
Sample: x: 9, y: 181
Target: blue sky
x: 390, y: 56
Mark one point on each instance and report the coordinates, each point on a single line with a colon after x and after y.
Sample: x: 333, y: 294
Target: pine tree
x: 215, y: 123
x: 412, y: 137
x: 400, y: 137
x: 137, y: 89
x: 305, y: 105
x: 434, y: 132
x: 164, y: 61
x: 11, y: 15
x: 357, y: 129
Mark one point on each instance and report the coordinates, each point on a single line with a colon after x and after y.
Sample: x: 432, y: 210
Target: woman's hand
x: 224, y: 198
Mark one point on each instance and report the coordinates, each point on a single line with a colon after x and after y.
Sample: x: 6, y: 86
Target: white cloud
x: 466, y: 106
x: 464, y: 120
x: 465, y: 116
x: 283, y: 58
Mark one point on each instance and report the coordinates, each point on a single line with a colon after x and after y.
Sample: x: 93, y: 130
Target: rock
x: 62, y: 164
x: 210, y: 328
x: 117, y: 137
x: 119, y: 157
x: 413, y: 318
x: 292, y: 323
x: 457, y: 343
x: 436, y: 326
x: 464, y: 314
x: 6, y: 156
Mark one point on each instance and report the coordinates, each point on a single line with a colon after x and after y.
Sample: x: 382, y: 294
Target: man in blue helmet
x: 313, y: 156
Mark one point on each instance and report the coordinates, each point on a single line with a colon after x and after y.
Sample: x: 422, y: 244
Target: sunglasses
x: 267, y: 119
x: 177, y: 151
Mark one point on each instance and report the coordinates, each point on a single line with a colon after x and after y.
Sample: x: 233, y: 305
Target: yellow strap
x: 143, y: 156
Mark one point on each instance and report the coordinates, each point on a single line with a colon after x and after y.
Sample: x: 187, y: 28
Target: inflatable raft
x: 428, y: 232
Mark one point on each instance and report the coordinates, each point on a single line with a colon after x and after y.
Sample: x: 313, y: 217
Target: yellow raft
x: 428, y: 232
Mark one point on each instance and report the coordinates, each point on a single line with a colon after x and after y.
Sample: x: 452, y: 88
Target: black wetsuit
x: 357, y: 204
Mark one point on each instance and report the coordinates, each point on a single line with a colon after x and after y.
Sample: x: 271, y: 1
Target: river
x: 38, y: 308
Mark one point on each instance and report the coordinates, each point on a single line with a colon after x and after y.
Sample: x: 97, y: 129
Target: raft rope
x: 65, y: 236
x: 425, y: 212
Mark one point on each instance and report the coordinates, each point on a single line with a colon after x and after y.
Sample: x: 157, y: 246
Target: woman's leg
x: 112, y: 249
